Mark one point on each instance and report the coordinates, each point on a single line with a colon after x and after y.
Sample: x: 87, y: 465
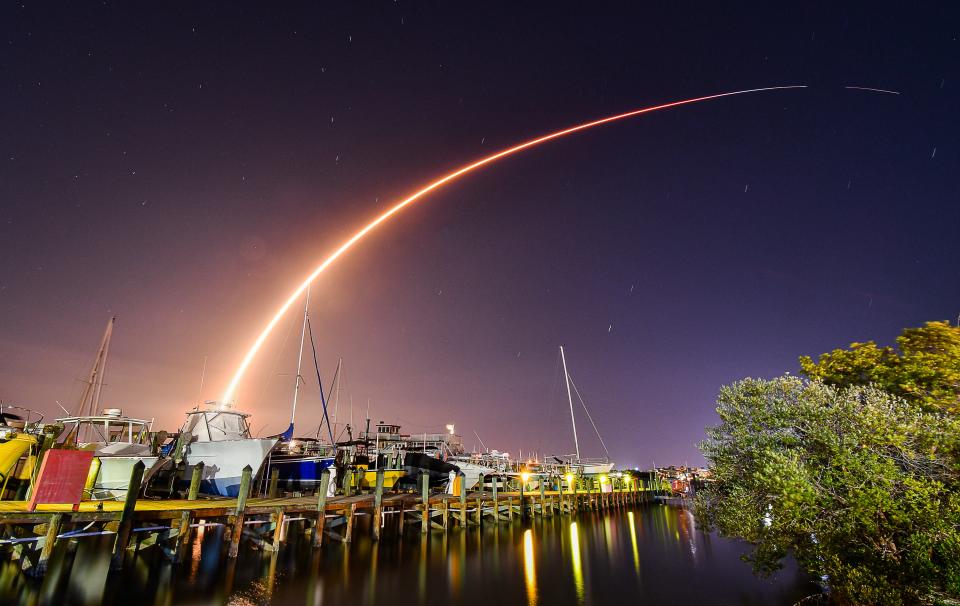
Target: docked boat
x: 299, y: 463
x: 21, y: 434
x: 219, y: 437
x: 117, y: 442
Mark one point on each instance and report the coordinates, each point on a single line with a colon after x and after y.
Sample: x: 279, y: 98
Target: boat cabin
x: 109, y: 427
x: 217, y: 423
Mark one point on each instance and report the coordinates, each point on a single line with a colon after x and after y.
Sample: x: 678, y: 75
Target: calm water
x: 653, y: 554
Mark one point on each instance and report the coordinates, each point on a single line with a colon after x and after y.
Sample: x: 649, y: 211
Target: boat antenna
x: 584, y: 404
x: 573, y: 419
x: 288, y: 434
x: 323, y: 399
x: 203, y: 374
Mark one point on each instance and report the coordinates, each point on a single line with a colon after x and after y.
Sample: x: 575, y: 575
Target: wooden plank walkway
x: 265, y: 522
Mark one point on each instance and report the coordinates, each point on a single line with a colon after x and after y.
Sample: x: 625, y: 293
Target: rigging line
x: 276, y: 359
x: 550, y: 400
x: 316, y: 365
x: 582, y: 403
x: 336, y: 375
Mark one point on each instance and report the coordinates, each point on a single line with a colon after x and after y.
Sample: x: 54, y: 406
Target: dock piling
x: 321, y: 508
x: 183, y: 537
x: 53, y: 529
x: 378, y: 506
x: 425, y: 501
x: 238, y: 516
x: 126, y: 517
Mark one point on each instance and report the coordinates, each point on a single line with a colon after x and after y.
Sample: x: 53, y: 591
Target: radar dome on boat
x: 112, y: 412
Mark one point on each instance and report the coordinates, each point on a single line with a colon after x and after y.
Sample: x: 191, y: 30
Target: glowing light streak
x: 529, y: 568
x: 872, y: 90
x: 258, y: 343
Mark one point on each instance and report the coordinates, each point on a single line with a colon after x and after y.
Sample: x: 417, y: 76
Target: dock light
x: 450, y: 428
x: 570, y: 479
x: 524, y: 477
x: 604, y: 479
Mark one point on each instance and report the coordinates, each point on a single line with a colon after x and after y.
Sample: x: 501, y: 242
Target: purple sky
x: 184, y: 168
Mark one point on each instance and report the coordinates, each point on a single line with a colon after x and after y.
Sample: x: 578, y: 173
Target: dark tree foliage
x: 924, y: 368
x: 861, y: 486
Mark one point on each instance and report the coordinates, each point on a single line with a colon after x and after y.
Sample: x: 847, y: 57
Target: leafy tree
x: 862, y: 487
x: 923, y: 369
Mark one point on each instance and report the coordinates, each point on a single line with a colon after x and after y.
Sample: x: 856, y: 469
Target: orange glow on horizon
x: 228, y: 394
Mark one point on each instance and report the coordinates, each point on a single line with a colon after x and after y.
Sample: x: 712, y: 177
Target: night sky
x: 182, y: 167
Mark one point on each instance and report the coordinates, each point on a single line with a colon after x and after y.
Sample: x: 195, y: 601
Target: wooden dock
x: 264, y: 523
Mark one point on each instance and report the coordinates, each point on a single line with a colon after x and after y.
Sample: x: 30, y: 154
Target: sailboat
x: 118, y: 442
x: 575, y: 463
x: 299, y: 462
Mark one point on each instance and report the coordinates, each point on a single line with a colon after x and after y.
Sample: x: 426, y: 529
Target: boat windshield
x: 106, y: 430
x: 217, y: 425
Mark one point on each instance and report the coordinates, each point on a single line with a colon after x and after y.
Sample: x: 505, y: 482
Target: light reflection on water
x: 651, y: 553
x: 529, y: 568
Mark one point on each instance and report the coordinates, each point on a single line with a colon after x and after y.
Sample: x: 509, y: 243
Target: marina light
x: 604, y: 479
x: 524, y: 476
x: 570, y: 479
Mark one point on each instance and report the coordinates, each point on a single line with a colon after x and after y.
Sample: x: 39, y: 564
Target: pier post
x: 352, y: 514
x: 238, y: 516
x: 183, y: 538
x: 378, y: 506
x: 274, y: 481
x: 277, y: 530
x: 53, y: 529
x: 481, y: 481
x: 126, y: 516
x: 321, y: 508
x: 543, y: 498
x: 425, y: 501
x: 496, y: 499
x: 523, y: 486
x: 463, y: 500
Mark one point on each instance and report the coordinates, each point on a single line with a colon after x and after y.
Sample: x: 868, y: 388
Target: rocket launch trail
x: 229, y: 393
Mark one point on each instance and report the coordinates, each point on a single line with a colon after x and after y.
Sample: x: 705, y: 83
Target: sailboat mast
x: 103, y: 364
x: 336, y: 402
x: 303, y: 333
x: 573, y: 420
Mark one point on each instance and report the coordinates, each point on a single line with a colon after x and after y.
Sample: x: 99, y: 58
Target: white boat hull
x: 472, y: 473
x: 113, y: 478
x: 597, y: 469
x: 223, y: 463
